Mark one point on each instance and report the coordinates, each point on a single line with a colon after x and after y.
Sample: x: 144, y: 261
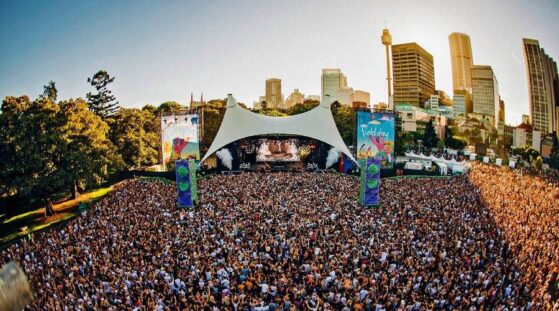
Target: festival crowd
x: 301, y: 241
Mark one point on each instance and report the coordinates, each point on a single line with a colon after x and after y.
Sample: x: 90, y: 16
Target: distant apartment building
x: 274, y: 97
x: 312, y: 97
x: 459, y: 105
x: 501, y: 118
x: 485, y: 93
x: 362, y: 97
x: 334, y: 86
x: 414, y: 74
x: 543, y: 87
x: 294, y: 98
x: 526, y: 135
x: 413, y: 119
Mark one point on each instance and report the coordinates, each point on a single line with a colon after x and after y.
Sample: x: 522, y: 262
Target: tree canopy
x: 135, y: 133
x: 103, y: 103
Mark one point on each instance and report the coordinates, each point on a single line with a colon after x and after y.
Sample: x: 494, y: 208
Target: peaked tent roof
x: 238, y: 123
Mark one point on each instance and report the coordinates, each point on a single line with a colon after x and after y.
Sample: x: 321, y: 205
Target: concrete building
x: 363, y: 97
x: 334, y: 84
x: 501, y: 118
x: 461, y: 60
x: 485, y: 92
x: 414, y: 74
x: 459, y: 105
x: 542, y: 79
x: 274, y: 97
x: 313, y: 97
x: 294, y: 98
x: 346, y: 96
x: 526, y: 135
x: 414, y: 118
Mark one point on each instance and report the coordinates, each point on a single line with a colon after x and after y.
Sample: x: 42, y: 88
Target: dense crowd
x: 526, y: 208
x: 300, y: 241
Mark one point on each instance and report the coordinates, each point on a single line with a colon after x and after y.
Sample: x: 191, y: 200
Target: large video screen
x: 179, y: 137
x: 273, y: 150
x: 375, y: 136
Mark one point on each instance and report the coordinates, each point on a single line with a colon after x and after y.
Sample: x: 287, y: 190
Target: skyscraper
x: 543, y: 86
x: 462, y: 61
x: 334, y: 84
x: 501, y: 124
x: 274, y: 97
x: 414, y: 74
x: 485, y: 93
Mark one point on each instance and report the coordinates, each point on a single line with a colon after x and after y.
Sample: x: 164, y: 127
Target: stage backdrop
x: 179, y: 137
x: 375, y: 137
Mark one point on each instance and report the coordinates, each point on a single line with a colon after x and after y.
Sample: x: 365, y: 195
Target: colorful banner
x: 369, y: 181
x: 186, y: 183
x: 179, y: 137
x: 375, y: 136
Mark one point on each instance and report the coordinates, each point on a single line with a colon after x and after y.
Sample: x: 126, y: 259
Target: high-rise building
x: 274, y: 98
x: 334, y: 84
x: 294, y: 98
x: 501, y: 119
x: 459, y: 105
x: 485, y: 93
x: 462, y: 61
x: 414, y: 74
x: 543, y: 87
x: 362, y: 97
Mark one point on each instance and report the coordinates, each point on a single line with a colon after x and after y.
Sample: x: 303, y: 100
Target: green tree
x: 50, y: 91
x: 212, y: 121
x: 452, y: 141
x: 48, y: 149
x: 169, y: 107
x: 150, y: 108
x: 135, y: 134
x: 335, y: 106
x: 345, y: 119
x: 88, y: 156
x: 103, y: 103
x: 430, y: 138
x: 301, y: 108
x: 29, y: 149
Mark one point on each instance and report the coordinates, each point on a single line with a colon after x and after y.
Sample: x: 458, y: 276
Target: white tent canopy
x: 239, y: 123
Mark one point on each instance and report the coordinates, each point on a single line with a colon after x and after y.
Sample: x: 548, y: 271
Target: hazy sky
x: 165, y: 50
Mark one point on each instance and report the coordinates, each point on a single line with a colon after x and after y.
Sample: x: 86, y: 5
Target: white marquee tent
x: 239, y: 123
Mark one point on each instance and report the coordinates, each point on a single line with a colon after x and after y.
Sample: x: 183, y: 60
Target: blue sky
x: 165, y: 50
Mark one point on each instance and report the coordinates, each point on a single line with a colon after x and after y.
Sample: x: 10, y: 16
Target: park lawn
x: 60, y: 207
x: 36, y: 227
x: 35, y: 221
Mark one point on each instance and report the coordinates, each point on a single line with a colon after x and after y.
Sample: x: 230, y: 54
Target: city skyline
x: 165, y: 52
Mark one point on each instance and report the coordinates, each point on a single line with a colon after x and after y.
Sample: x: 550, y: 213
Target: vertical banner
x: 376, y: 136
x: 179, y: 137
x: 193, y: 183
x: 369, y: 181
x: 184, y: 183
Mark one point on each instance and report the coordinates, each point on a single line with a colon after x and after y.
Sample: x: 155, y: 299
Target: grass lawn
x: 35, y: 220
x: 60, y: 207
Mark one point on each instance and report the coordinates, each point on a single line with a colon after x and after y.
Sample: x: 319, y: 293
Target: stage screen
x: 375, y: 136
x: 277, y: 150
x: 179, y: 137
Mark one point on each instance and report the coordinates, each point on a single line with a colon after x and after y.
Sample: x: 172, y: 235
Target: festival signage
x: 186, y: 183
x: 369, y: 181
x: 179, y: 137
x: 375, y: 137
